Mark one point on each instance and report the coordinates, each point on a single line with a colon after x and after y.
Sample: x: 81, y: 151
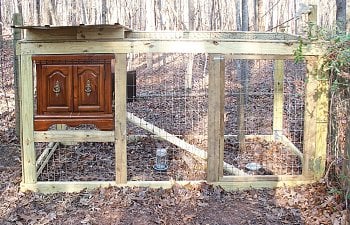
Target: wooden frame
x: 219, y: 46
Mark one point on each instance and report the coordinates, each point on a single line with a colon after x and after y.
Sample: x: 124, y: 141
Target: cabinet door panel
x: 56, y: 88
x: 89, y: 88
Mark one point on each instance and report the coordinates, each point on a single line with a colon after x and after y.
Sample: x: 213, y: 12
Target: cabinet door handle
x: 57, y: 88
x: 88, y: 88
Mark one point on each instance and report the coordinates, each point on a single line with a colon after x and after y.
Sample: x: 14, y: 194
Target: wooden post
x: 27, y: 125
x: 17, y: 35
x: 216, y: 117
x: 64, y: 127
x: 321, y: 122
x: 120, y: 118
x: 278, y: 99
x: 309, y: 142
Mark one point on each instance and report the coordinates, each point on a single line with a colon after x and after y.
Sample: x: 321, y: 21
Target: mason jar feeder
x: 161, y: 160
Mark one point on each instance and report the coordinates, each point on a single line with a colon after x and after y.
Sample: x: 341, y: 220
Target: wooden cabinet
x: 74, y: 90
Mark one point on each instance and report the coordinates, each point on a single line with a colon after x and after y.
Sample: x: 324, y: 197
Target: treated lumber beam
x: 120, y: 142
x: 292, y: 147
x: 321, y: 123
x: 162, y: 134
x: 309, y: 140
x: 27, y: 125
x: 74, y: 136
x: 211, y: 35
x: 202, y: 137
x: 278, y: 98
x: 44, y: 154
x: 230, y: 186
x: 262, y: 57
x: 77, y: 186
x: 54, y: 187
x: 216, y: 98
x: 45, y: 157
x: 168, y: 46
x: 263, y: 178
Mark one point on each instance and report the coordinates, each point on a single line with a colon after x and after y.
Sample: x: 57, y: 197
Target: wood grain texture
x: 74, y: 136
x: 215, y: 117
x: 120, y: 118
x: 278, y: 98
x: 309, y: 141
x: 27, y: 133
x: 169, y: 46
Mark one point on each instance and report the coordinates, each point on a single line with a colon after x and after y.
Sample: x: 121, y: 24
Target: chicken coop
x: 102, y: 105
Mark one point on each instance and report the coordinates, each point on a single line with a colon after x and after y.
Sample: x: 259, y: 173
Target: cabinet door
x: 55, y: 88
x: 89, y: 88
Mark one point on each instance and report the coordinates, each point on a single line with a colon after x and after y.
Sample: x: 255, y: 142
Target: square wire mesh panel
x: 252, y: 146
x: 89, y: 161
x: 294, y: 102
x: 169, y: 111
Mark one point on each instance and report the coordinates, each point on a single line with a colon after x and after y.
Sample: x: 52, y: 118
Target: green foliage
x: 298, y: 53
x: 335, y: 191
x: 335, y: 62
x: 337, y: 56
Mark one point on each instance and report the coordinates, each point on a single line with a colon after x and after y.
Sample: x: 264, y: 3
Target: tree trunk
x: 341, y: 14
x: 261, y: 26
x: 37, y: 20
x: 242, y: 73
x: 245, y: 15
x: 238, y: 15
x: 0, y: 14
x: 150, y: 26
x: 348, y: 17
x: 150, y: 20
x: 104, y: 12
x: 17, y: 35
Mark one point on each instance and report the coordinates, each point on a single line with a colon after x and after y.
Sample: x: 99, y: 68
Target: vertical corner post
x: 120, y: 118
x: 216, y: 117
x: 27, y: 124
x: 322, y: 118
x: 315, y: 120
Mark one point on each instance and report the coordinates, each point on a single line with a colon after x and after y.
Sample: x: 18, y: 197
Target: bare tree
x: 37, y: 12
x: 104, y: 11
x: 341, y: 14
x: 242, y: 73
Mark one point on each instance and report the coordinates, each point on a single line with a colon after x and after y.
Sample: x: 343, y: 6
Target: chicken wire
x: 175, y: 115
x: 87, y: 161
x: 166, y: 110
x: 263, y: 150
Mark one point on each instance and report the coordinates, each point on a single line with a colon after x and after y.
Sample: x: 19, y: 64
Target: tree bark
x: 37, y: 20
x: 104, y: 12
x: 245, y: 15
x: 238, y: 15
x: 242, y: 73
x: 341, y: 14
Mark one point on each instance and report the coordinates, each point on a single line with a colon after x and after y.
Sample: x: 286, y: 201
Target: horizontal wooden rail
x: 240, y: 47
